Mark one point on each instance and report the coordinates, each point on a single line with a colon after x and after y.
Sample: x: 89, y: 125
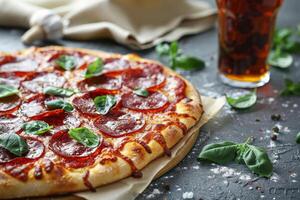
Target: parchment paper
x: 129, y: 188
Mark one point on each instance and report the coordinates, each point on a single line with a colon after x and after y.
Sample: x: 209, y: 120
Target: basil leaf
x: 282, y: 35
x: 298, y: 138
x: 104, y: 103
x: 85, y: 136
x: 56, y: 91
x: 162, y: 49
x: 291, y: 88
x: 141, y: 92
x: 257, y: 160
x: 94, y: 69
x: 59, y: 104
x: 36, y: 127
x: 281, y: 60
x: 7, y: 90
x: 220, y: 153
x: 174, y: 49
x: 177, y: 59
x: 292, y: 47
x: 188, y: 63
x: 66, y: 62
x: 14, y: 144
x: 242, y: 102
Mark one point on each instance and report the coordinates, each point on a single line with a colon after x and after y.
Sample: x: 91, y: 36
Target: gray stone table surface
x: 233, y: 181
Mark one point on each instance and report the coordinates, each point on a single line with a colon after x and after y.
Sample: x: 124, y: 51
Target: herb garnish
x: 59, y: 104
x: 284, y: 44
x: 255, y: 158
x: 104, y: 103
x: 56, y: 91
x: 94, y: 69
x: 85, y: 136
x: 141, y: 92
x: 36, y: 127
x: 7, y: 90
x: 66, y: 62
x: 298, y: 138
x: 243, y: 101
x: 176, y: 59
x: 14, y: 144
x: 291, y: 88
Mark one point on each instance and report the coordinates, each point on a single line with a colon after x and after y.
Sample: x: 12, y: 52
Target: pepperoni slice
x: 116, y: 65
x: 71, y: 120
x: 153, y: 103
x: 110, y: 83
x: 142, y: 78
x: 117, y: 124
x: 53, y: 117
x: 175, y: 87
x: 9, y: 104
x: 62, y: 144
x: 10, y: 123
x: 6, y: 59
x: 85, y: 105
x: 43, y: 80
x: 33, y: 106
x: 36, y: 150
x: 20, y: 65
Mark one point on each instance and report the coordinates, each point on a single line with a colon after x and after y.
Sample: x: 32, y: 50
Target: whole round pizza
x: 76, y: 119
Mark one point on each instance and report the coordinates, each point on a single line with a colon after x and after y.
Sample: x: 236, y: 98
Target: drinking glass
x: 245, y: 34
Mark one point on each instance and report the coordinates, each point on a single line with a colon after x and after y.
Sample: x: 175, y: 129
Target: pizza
x: 76, y: 119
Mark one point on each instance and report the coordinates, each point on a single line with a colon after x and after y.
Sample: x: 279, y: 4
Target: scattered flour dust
x: 228, y: 172
x: 154, y: 192
x: 188, y: 195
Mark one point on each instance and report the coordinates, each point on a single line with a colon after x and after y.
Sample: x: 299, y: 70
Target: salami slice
x: 109, y: 83
x: 175, y: 87
x: 155, y: 102
x: 141, y: 78
x: 85, y: 105
x: 36, y: 150
x: 62, y: 144
x: 10, y: 123
x: 43, y: 80
x: 33, y: 106
x: 116, y: 65
x: 53, y: 117
x: 4, y: 59
x: 19, y: 65
x: 9, y: 104
x: 117, y: 124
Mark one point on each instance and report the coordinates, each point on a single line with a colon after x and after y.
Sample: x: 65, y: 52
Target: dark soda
x: 245, y: 34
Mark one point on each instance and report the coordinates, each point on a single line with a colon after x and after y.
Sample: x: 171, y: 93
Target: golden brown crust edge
x: 61, y: 180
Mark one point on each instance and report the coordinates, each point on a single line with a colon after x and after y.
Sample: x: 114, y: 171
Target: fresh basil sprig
x: 141, y: 92
x: 85, y: 136
x: 298, y: 138
x: 104, y: 103
x: 94, y: 69
x: 285, y: 43
x: 59, y: 104
x: 291, y: 88
x: 7, y: 90
x: 176, y: 59
x: 56, y: 91
x: 66, y: 62
x: 255, y: 158
x: 36, y: 127
x: 279, y: 59
x: 243, y: 101
x: 14, y: 144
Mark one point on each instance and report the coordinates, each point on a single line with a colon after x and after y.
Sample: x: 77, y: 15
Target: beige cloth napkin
x: 139, y: 24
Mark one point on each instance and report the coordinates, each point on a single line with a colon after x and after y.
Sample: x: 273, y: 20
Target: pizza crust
x: 61, y: 180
